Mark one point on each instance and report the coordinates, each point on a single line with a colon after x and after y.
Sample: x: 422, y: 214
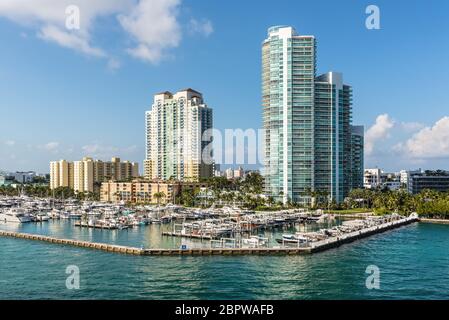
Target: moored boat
x: 292, y: 238
x: 15, y: 215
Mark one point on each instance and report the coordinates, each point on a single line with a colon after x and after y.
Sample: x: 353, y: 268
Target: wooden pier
x: 318, y: 246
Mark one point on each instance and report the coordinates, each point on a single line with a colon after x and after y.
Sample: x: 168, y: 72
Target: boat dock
x: 352, y: 236
x: 313, y: 247
x: 188, y: 235
x: 72, y: 242
x: 437, y: 221
x: 94, y: 226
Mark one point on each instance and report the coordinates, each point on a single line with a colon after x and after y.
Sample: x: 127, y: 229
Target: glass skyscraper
x: 307, y: 121
x: 357, y: 147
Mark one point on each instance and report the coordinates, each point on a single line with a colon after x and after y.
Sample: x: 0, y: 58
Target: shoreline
x: 434, y: 221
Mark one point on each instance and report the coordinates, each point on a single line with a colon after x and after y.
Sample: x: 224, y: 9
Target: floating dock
x: 188, y: 235
x: 94, y: 226
x: 318, y: 246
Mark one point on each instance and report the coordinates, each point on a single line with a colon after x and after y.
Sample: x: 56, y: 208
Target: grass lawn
x: 350, y: 211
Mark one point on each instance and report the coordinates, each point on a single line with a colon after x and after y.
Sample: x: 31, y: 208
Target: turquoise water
x: 413, y: 263
x: 144, y: 236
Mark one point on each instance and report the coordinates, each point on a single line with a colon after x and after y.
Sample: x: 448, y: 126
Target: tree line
x: 428, y: 203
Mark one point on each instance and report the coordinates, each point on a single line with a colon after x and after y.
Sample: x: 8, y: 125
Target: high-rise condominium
x: 332, y: 136
x: 174, y: 137
x: 61, y: 174
x: 307, y: 121
x: 357, y: 147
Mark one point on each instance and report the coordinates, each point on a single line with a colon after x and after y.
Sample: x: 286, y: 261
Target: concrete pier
x: 437, y: 221
x: 352, y: 236
x: 72, y: 242
x: 318, y: 246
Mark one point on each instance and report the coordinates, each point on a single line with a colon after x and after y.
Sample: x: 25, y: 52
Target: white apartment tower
x: 174, y: 132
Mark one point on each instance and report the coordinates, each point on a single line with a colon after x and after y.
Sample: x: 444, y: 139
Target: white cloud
x: 379, y: 131
x: 154, y: 26
x: 51, y: 146
x: 429, y: 142
x: 10, y: 143
x: 49, y: 17
x: 412, y: 126
x: 203, y: 27
x: 69, y: 40
x: 114, y: 64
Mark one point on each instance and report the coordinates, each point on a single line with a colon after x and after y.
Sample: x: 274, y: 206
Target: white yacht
x: 254, y: 241
x: 15, y: 215
x: 42, y: 217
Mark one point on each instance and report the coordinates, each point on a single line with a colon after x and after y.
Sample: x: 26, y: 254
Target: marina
x: 402, y: 254
x: 359, y: 230
x: 249, y: 250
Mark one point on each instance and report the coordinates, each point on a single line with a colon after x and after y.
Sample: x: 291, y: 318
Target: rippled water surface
x: 413, y: 263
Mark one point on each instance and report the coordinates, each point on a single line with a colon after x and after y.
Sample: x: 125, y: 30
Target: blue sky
x: 65, y: 94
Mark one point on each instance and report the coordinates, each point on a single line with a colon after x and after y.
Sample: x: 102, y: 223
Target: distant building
x: 6, y: 180
x: 239, y: 173
x: 229, y: 173
x: 376, y: 178
x: 433, y: 180
x: 217, y: 172
x: 372, y: 178
x: 83, y: 175
x: 174, y: 130
x: 405, y: 176
x: 138, y: 191
x: 24, y: 177
x: 391, y: 185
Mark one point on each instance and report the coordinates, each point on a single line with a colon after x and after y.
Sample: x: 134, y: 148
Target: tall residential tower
x: 307, y: 122
x: 357, y: 156
x: 174, y: 137
x: 288, y: 79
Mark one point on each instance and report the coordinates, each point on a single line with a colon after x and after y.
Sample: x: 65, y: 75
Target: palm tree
x: 158, y: 196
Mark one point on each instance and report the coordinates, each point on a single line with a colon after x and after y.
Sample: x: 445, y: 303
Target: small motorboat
x: 40, y: 217
x: 292, y: 238
x: 166, y: 219
x: 75, y: 216
x: 254, y: 241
